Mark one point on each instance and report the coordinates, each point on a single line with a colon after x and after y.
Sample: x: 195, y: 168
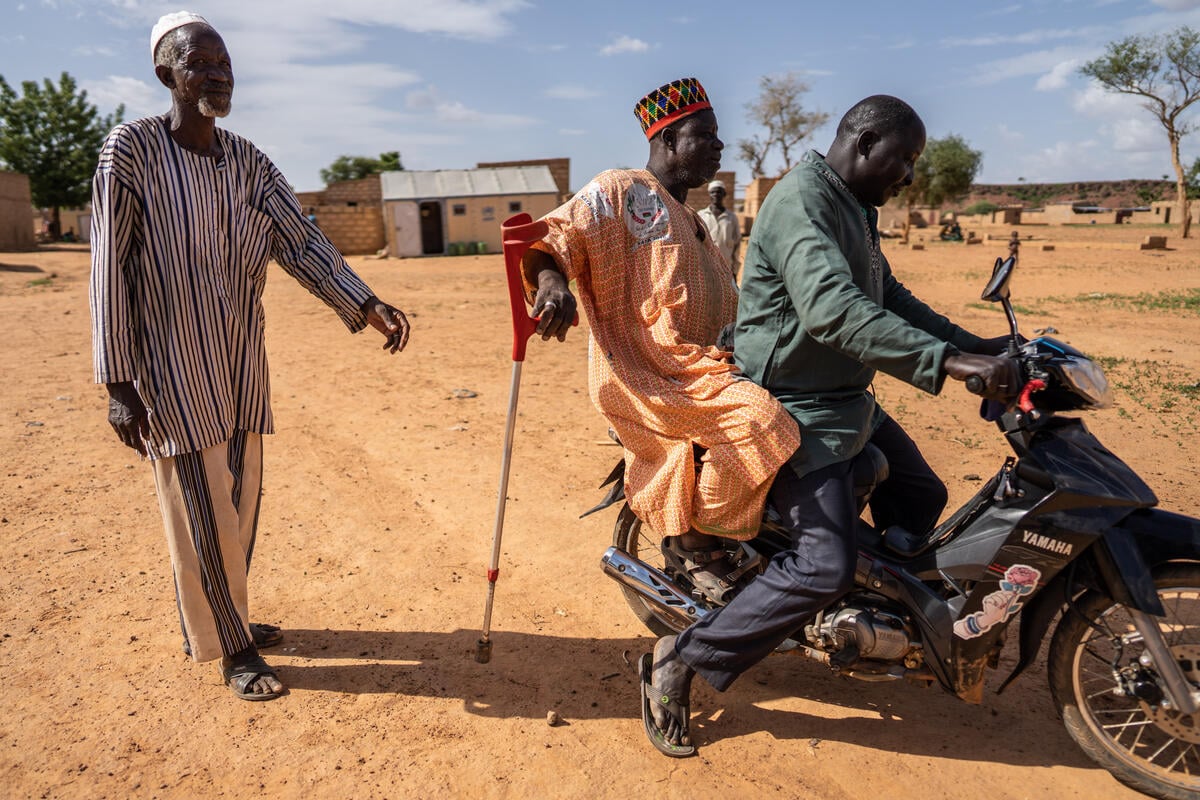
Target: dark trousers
x: 820, y: 512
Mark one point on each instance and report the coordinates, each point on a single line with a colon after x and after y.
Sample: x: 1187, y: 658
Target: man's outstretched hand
x: 388, y: 320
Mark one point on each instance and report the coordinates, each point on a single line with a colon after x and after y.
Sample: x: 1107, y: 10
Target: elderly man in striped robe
x: 185, y: 219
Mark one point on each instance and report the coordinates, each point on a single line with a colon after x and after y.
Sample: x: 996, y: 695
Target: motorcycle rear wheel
x: 639, y: 541
x: 1152, y: 750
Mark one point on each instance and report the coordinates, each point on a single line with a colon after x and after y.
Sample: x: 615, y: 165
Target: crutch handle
x: 518, y: 233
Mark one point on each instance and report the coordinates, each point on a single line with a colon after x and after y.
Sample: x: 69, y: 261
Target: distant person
x: 1014, y: 244
x: 658, y: 295
x: 69, y: 236
x: 312, y: 216
x: 951, y: 232
x: 722, y: 225
x: 185, y: 218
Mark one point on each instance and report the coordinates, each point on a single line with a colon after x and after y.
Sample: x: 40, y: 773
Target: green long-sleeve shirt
x: 820, y: 312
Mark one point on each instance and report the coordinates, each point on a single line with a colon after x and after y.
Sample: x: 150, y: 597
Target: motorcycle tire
x: 636, y: 539
x: 1148, y: 748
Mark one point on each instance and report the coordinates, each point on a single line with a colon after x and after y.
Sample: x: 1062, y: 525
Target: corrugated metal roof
x: 483, y: 182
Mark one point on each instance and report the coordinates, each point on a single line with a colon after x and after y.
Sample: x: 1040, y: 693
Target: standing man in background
x: 722, y: 225
x: 185, y: 218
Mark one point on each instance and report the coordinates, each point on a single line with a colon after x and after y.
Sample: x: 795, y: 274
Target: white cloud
x: 290, y: 19
x: 1139, y: 134
x: 1062, y: 161
x: 1038, y: 62
x: 571, y: 131
x: 1037, y: 36
x: 1097, y: 102
x: 570, y: 92
x: 456, y: 114
x: 1057, y: 77
x: 140, y: 98
x: 95, y: 50
x: 624, y: 44
x: 1008, y: 134
x: 1177, y: 5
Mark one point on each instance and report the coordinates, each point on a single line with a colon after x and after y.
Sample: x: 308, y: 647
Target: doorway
x: 432, y: 240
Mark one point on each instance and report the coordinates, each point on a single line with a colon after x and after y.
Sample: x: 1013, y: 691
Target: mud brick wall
x: 16, y: 212
x: 350, y: 213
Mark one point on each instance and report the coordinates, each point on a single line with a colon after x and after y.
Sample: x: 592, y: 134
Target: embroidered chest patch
x: 646, y: 216
x: 596, y: 199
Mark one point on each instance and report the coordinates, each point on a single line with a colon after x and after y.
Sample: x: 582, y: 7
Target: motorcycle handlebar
x: 975, y: 384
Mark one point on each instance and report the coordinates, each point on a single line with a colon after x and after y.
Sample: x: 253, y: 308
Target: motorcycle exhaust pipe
x: 655, y: 588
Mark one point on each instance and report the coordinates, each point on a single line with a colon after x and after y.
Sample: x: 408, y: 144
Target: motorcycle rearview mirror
x: 996, y: 291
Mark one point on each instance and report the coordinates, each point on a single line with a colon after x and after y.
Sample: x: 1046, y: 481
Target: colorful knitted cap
x: 670, y: 102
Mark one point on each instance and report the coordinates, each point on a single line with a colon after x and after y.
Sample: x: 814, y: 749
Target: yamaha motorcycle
x: 1064, y: 535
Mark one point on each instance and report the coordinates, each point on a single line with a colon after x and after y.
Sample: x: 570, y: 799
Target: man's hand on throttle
x: 1001, y: 376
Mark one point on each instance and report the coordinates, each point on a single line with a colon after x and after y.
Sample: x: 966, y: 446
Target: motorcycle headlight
x: 1085, y: 377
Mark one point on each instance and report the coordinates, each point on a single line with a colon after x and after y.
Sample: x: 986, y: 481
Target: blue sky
x: 450, y: 83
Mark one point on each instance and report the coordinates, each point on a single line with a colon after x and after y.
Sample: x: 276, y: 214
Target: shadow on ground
x: 586, y: 679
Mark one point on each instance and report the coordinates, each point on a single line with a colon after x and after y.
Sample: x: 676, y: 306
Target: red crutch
x: 518, y: 233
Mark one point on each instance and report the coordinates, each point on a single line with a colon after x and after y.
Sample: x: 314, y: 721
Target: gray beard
x: 210, y: 109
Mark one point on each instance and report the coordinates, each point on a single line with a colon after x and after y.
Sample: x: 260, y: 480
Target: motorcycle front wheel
x: 639, y: 541
x: 1148, y: 748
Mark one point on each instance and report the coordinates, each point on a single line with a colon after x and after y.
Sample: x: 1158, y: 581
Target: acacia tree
x: 944, y: 173
x: 778, y: 109
x: 351, y: 168
x: 53, y: 135
x: 1164, y: 71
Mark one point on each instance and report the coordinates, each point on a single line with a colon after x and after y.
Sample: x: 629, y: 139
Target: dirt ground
x: 376, y: 527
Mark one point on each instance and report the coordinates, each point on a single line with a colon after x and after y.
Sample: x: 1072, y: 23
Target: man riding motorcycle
x: 820, y: 312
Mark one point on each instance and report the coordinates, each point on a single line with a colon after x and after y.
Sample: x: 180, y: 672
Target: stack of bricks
x: 698, y: 198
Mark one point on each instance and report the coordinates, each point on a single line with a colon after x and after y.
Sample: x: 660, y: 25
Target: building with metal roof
x: 430, y: 212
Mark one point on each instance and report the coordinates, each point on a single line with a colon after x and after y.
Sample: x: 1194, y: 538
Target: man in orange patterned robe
x: 657, y: 294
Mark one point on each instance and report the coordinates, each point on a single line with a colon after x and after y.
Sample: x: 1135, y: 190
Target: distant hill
x: 1110, y: 194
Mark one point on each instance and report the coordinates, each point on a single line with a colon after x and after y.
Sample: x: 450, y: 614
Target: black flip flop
x: 239, y: 677
x: 680, y: 711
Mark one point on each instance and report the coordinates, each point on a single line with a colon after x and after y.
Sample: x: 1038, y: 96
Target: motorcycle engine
x: 870, y: 632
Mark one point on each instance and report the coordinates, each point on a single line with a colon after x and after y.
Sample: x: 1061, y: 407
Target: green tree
x: 351, y: 168
x: 778, y: 109
x: 1164, y: 71
x: 53, y: 135
x: 943, y: 174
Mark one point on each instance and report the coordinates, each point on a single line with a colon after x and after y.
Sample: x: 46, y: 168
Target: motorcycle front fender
x: 1163, y: 536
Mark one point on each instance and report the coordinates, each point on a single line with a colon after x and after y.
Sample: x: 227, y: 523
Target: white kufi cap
x: 169, y: 22
x: 716, y: 185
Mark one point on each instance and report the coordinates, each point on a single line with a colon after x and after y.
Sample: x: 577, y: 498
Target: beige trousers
x: 209, y: 501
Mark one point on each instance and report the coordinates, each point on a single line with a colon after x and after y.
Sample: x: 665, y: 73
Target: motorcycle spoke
x: 1123, y: 726
x: 1110, y: 711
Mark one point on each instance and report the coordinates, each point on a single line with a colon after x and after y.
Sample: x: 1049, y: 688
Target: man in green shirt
x: 819, y: 313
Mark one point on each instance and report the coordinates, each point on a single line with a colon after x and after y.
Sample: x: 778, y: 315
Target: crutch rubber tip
x: 483, y: 651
